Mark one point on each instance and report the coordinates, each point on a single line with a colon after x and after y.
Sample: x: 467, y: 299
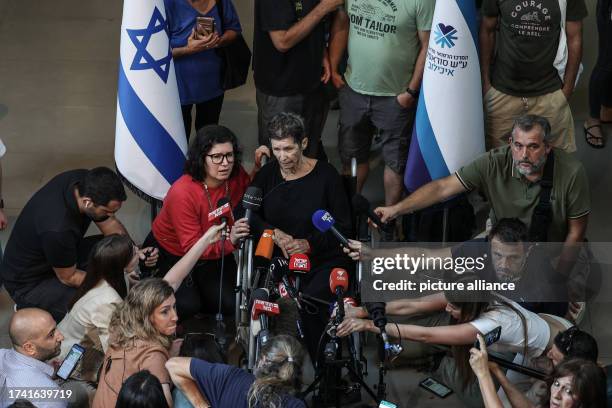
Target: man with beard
x: 35, y: 339
x: 46, y: 254
x: 509, y: 177
x: 507, y: 257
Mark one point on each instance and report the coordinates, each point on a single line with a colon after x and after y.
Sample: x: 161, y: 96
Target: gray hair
x: 278, y: 372
x: 287, y: 124
x: 528, y: 122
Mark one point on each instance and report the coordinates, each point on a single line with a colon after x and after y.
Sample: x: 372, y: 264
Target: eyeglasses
x: 217, y: 158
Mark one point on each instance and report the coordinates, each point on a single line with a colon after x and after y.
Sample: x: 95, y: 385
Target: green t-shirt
x: 527, y: 43
x: 384, y: 44
x: 513, y: 196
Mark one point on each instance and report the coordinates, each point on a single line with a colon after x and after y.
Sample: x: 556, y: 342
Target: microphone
x: 299, y: 264
x: 323, y: 221
x: 338, y: 284
x: 265, y: 248
x: 260, y: 311
x: 251, y: 201
x: 377, y: 313
x: 361, y: 205
x: 223, y: 212
x: 279, y: 269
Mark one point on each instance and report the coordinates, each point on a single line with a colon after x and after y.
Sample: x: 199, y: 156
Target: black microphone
x: 377, y: 314
x: 223, y: 201
x: 361, y: 205
x: 279, y: 270
x: 251, y: 201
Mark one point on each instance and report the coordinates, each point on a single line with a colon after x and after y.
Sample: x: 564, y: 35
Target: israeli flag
x: 449, y: 127
x: 150, y: 142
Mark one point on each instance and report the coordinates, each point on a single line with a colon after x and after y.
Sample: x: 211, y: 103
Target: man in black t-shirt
x: 522, y: 71
x: 290, y: 64
x: 46, y: 252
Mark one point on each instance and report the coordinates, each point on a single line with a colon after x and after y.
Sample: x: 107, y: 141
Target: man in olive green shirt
x: 509, y: 177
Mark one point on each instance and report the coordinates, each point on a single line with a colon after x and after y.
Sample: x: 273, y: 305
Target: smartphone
x: 70, y: 362
x: 386, y: 404
x: 436, y: 387
x: 205, y: 25
x: 490, y: 338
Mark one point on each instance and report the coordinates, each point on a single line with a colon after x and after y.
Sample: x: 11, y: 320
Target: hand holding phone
x: 489, y: 338
x: 70, y: 362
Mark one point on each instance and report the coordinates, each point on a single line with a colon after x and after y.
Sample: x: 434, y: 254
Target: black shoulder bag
x: 236, y: 58
x: 542, y: 214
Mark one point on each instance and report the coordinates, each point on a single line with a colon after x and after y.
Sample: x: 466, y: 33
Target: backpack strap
x: 542, y: 214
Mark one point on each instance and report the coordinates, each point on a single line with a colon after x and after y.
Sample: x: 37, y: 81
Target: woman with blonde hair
x: 141, y: 331
x: 277, y: 376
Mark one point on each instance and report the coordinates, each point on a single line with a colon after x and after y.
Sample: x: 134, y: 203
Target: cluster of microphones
x: 282, y: 278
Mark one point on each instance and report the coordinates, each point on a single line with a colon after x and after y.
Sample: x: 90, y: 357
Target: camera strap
x: 542, y: 214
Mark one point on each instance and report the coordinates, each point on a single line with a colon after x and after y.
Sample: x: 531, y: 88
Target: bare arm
x: 179, y: 369
x: 573, y: 30
x: 168, y: 394
x: 408, y: 307
x: 178, y: 272
x: 70, y: 276
x: 284, y: 40
x: 516, y: 397
x: 454, y: 335
x: 488, y: 26
x: 228, y: 37
x: 429, y: 194
x: 112, y: 225
x: 338, y: 41
x: 576, y: 230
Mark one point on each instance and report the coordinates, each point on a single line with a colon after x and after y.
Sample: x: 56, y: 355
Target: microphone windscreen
x: 338, y: 278
x: 360, y: 204
x: 299, y: 263
x: 252, y: 198
x: 322, y: 220
x: 265, y: 246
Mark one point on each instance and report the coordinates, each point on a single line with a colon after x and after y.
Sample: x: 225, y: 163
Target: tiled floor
x: 58, y: 75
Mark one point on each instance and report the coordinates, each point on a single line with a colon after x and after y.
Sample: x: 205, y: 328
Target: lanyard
x: 209, y: 198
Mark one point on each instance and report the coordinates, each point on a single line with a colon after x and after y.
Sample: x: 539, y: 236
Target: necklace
x: 208, y: 196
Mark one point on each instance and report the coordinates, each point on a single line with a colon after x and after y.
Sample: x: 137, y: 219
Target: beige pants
x: 502, y: 109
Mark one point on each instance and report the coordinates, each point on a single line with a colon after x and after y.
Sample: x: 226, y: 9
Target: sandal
x: 589, y: 137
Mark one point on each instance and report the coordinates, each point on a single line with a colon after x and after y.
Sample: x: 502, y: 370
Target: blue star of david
x: 140, y: 37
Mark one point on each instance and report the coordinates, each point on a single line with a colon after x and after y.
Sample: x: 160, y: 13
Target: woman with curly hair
x: 141, y: 331
x: 277, y: 376
x: 212, y: 172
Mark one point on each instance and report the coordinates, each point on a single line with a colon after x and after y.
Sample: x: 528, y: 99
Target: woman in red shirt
x: 212, y: 172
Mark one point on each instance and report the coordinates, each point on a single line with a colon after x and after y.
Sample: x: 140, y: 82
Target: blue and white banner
x: 449, y: 128
x: 150, y: 142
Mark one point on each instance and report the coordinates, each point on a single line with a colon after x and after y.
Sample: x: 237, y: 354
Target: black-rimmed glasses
x: 217, y: 158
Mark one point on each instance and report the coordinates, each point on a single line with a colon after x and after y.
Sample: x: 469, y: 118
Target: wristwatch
x: 413, y: 93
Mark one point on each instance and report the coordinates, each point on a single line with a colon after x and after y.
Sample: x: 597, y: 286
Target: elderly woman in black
x: 294, y: 187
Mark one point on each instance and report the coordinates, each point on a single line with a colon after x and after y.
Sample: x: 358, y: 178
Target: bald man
x: 35, y: 339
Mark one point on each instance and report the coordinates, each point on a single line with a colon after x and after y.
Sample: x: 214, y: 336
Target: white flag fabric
x: 150, y: 142
x: 449, y: 128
